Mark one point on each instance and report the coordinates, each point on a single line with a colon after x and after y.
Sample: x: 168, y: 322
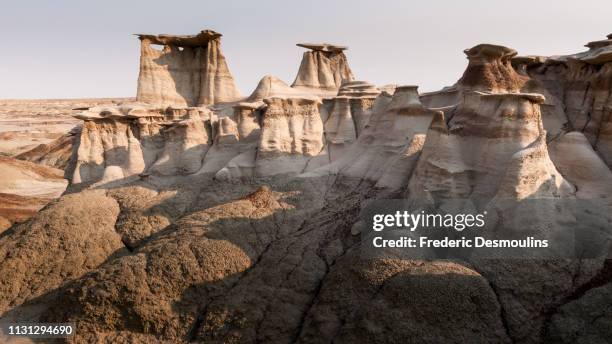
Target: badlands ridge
x: 196, y: 214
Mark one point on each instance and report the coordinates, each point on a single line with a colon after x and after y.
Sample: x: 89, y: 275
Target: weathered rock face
x: 348, y: 113
x: 237, y: 222
x: 186, y: 144
x: 371, y: 301
x: 118, y: 144
x: 387, y: 146
x: 489, y: 70
x: 189, y: 71
x: 235, y: 144
x: 471, y: 155
x: 323, y: 69
x: 292, y: 133
x: 581, y: 83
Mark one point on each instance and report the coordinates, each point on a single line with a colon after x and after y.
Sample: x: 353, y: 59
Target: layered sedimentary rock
x: 347, y: 114
x: 323, y: 69
x: 189, y: 71
x: 57, y: 153
x: 28, y: 124
x: 471, y: 154
x: 238, y: 222
x: 498, y: 69
x: 110, y: 144
x: 489, y: 69
x: 25, y: 188
x: 292, y: 133
x: 388, y: 146
x: 185, y: 145
x: 235, y: 142
x: 581, y: 83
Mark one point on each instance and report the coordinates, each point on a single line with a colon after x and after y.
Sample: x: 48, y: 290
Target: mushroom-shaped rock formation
x: 498, y: 69
x: 489, y: 69
x: 469, y: 156
x: 189, y: 71
x: 323, y: 69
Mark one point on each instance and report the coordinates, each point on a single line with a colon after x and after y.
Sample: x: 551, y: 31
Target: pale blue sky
x: 66, y: 49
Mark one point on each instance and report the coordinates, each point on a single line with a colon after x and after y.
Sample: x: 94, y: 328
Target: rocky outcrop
x: 498, y: 69
x: 185, y: 145
x: 189, y: 71
x: 348, y: 114
x: 236, y: 138
x: 291, y: 134
x: 489, y: 69
x: 581, y: 83
x: 388, y: 146
x: 363, y: 299
x: 112, y: 145
x: 323, y: 69
x: 470, y: 155
x: 238, y: 222
x: 575, y: 158
x: 236, y: 234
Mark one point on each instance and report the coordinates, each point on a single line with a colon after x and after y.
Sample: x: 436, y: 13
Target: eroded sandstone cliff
x: 239, y: 222
x: 323, y: 69
x: 189, y: 70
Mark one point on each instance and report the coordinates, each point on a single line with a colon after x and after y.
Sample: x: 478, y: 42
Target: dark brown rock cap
x: 599, y: 44
x: 322, y: 47
x: 199, y: 40
x: 490, y: 52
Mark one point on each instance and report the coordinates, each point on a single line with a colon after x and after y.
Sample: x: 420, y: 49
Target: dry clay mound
x: 60, y: 243
x: 217, y: 262
x: 271, y: 266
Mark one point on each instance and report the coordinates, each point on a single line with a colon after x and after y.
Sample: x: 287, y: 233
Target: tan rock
x: 323, y: 69
x: 189, y: 71
x: 291, y: 134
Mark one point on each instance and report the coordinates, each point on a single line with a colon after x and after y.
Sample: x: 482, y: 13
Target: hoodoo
x: 323, y: 69
x: 195, y: 215
x: 189, y: 71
